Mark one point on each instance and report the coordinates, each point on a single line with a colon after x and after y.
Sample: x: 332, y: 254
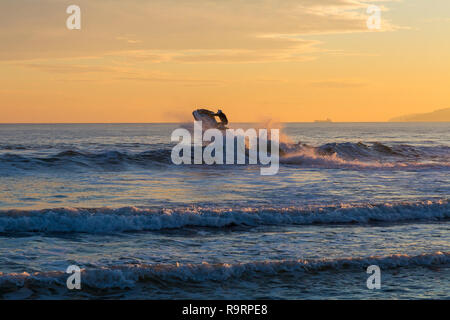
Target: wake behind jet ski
x: 208, y: 119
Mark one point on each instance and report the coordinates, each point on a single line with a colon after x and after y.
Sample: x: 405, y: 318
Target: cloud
x: 183, y: 31
x: 338, y: 84
x: 129, y: 39
x: 66, y: 68
x: 84, y: 73
x: 172, y: 79
x: 297, y: 50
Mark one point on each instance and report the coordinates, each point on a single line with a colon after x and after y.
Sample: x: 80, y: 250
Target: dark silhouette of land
x: 441, y: 115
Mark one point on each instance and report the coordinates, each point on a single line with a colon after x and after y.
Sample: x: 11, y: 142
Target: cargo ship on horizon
x: 322, y: 121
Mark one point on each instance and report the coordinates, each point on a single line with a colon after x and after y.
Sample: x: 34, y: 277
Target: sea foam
x: 109, y: 220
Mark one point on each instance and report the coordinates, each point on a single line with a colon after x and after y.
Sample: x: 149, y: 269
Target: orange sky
x: 285, y: 60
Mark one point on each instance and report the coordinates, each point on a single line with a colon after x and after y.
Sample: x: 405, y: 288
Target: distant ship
x: 327, y: 120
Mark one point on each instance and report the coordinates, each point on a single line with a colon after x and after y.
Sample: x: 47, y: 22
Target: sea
x: 108, y: 199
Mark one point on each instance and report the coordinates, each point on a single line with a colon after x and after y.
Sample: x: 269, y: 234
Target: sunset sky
x: 285, y: 60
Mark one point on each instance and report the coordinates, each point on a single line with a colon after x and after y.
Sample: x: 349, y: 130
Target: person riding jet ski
x: 209, y: 120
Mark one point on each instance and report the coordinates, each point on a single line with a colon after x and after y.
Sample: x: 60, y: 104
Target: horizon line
x: 175, y: 122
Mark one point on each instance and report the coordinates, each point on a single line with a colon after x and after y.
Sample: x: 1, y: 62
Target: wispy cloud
x: 129, y: 38
x: 66, y: 68
x: 338, y: 83
x: 185, y: 31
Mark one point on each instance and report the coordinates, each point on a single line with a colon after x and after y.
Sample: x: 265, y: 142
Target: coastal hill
x: 441, y: 115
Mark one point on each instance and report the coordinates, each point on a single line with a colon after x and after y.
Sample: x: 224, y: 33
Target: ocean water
x: 107, y: 198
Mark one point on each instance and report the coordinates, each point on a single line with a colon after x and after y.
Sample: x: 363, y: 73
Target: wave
x: 129, y: 219
x: 67, y: 160
x: 331, y: 155
x: 128, y: 276
x: 366, y: 156
x: 71, y: 146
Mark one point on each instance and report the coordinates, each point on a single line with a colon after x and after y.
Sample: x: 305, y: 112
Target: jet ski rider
x: 223, y: 118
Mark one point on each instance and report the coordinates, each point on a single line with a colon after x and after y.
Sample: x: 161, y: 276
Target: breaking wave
x: 366, y: 156
x: 128, y: 276
x: 67, y: 160
x: 128, y: 219
x: 331, y: 155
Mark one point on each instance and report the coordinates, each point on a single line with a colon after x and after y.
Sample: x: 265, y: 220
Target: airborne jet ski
x: 208, y: 119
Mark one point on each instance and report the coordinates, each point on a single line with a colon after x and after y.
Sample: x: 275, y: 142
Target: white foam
x: 309, y: 157
x: 108, y: 220
x: 127, y: 276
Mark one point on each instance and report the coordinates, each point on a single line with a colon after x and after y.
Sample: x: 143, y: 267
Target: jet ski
x: 208, y: 119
